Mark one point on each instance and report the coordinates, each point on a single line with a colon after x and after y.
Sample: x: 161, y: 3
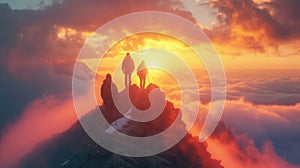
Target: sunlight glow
x: 146, y: 44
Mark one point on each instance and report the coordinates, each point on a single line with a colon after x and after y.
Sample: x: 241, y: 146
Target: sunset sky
x: 258, y: 42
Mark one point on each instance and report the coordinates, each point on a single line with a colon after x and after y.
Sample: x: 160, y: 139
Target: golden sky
x: 38, y: 49
x: 160, y: 48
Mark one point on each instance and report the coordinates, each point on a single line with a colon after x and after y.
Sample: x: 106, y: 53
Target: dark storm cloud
x: 89, y: 15
x: 256, y: 25
x: 286, y: 13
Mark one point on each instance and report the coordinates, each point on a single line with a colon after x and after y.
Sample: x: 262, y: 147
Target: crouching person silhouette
x: 142, y: 72
x: 108, y: 91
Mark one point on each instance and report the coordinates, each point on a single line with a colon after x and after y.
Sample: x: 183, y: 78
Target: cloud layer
x: 40, y: 120
x: 242, y: 152
x: 278, y: 124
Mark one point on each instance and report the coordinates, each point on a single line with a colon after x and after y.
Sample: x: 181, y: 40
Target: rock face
x: 75, y: 149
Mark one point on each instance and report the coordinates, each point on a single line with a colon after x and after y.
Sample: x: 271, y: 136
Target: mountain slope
x: 75, y: 149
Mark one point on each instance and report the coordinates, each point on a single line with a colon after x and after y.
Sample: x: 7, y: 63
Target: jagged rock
x: 75, y: 149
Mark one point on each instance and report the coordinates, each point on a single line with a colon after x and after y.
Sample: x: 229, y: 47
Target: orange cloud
x: 243, y: 153
x: 267, y: 125
x: 256, y: 26
x: 41, y: 119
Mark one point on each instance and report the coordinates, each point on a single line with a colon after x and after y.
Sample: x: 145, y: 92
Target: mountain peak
x: 141, y: 101
x: 76, y: 149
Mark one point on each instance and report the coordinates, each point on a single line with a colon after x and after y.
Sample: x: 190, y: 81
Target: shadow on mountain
x: 75, y: 149
x: 140, y: 99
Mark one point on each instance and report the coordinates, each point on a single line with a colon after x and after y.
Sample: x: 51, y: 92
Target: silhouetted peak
x: 140, y: 99
x: 74, y: 148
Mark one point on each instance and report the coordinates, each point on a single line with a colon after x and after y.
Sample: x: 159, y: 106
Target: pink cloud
x: 259, y: 120
x: 41, y: 119
x: 232, y: 155
x: 263, y: 124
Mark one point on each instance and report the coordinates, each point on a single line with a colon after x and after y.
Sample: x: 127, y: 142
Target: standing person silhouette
x: 142, y: 72
x: 127, y: 68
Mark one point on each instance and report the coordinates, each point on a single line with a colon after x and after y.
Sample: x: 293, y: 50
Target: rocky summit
x: 75, y: 149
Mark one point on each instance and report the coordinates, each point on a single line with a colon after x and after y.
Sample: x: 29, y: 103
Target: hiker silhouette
x: 127, y: 68
x: 142, y: 72
x: 108, y: 91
